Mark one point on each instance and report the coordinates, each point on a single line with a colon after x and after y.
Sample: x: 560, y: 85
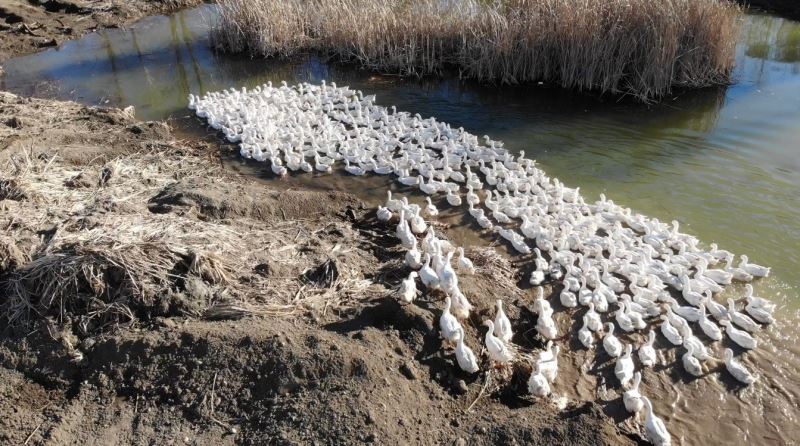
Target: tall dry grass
x: 639, y: 47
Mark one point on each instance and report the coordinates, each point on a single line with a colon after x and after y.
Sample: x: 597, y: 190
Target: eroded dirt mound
x: 375, y: 377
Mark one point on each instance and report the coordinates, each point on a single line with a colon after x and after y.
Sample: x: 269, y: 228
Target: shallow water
x: 725, y: 162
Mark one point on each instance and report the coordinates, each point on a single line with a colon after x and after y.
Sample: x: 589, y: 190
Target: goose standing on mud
x: 537, y: 383
x: 449, y: 326
x: 502, y: 326
x: 465, y: 356
x: 408, y: 288
x: 464, y: 264
x: 654, y: 428
x: 611, y: 343
x: 632, y: 398
x: 623, y: 369
x: 498, y: 351
x: 647, y: 354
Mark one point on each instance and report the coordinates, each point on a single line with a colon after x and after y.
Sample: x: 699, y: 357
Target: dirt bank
x: 151, y: 297
x: 27, y: 26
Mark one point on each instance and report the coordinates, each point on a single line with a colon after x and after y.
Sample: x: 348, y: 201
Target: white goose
x: 461, y: 306
x: 546, y: 326
x: 752, y: 268
x: 647, y: 353
x: 741, y: 319
x: 537, y: 383
x: 428, y: 276
x: 623, y: 369
x: 464, y: 264
x: 632, y: 398
x: 585, y: 335
x: 498, y: 351
x: 408, y: 288
x: 690, y: 363
x: 430, y: 208
x: 736, y: 369
x: 758, y: 302
x: 449, y: 326
x: 758, y: 308
x: 611, y: 344
x: 709, y: 328
x: 548, y: 363
x: 413, y: 257
x: 592, y: 319
x: 465, y: 356
x: 384, y: 214
x: 654, y: 428
x: 670, y: 332
x: 740, y: 337
x: 502, y: 326
x: 540, y: 305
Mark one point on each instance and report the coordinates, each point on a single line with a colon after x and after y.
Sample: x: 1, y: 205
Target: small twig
x: 34, y: 432
x: 480, y: 394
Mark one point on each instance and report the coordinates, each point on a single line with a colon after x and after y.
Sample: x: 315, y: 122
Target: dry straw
x: 109, y: 260
x: 638, y: 47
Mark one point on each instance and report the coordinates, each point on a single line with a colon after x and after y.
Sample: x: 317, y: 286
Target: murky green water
x: 725, y: 162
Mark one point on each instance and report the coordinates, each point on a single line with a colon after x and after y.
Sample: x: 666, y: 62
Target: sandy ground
x: 30, y: 25
x: 152, y: 297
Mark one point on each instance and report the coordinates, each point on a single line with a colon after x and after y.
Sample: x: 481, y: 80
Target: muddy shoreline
x: 149, y: 297
x: 30, y: 26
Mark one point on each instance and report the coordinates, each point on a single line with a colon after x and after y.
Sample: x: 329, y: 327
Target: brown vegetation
x: 638, y: 47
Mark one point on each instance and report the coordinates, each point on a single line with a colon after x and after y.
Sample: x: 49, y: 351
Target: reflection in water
x: 724, y: 162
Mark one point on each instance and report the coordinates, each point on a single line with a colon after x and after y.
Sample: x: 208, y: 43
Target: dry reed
x: 638, y: 47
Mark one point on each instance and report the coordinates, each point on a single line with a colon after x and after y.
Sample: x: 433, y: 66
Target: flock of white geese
x: 622, y: 266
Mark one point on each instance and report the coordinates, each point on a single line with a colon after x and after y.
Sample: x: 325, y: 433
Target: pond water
x: 725, y: 162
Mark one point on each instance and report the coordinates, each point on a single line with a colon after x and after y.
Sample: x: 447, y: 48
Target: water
x: 724, y: 162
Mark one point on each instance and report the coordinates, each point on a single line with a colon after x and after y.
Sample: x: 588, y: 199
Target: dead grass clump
x: 11, y: 190
x: 99, y: 256
x: 11, y: 257
x: 99, y: 282
x: 638, y: 47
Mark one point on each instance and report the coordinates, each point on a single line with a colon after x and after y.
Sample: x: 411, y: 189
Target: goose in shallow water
x: 741, y: 319
x: 736, y: 369
x: 740, y: 337
x: 752, y: 268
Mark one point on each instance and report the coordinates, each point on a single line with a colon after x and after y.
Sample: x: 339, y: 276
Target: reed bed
x: 639, y: 47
